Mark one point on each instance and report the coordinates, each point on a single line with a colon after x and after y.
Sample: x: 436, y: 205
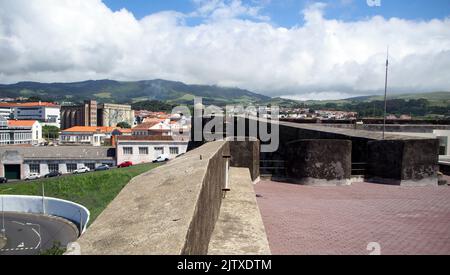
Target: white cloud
x: 70, y: 40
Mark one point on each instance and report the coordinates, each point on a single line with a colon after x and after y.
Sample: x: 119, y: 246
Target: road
x: 25, y: 237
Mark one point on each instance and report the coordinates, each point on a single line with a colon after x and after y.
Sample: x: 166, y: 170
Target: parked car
x: 3, y: 180
x: 162, y: 158
x: 102, y: 168
x: 125, y: 164
x: 33, y: 176
x: 53, y: 174
x: 82, y: 170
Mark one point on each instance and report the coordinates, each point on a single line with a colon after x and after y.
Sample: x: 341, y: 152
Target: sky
x: 299, y: 49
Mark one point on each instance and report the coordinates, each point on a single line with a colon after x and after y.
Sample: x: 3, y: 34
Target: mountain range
x: 174, y: 93
x: 130, y: 92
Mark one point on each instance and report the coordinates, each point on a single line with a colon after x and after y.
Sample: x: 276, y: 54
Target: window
x: 35, y: 168
x: 127, y: 150
x: 159, y: 151
x: 71, y: 167
x: 53, y: 167
x: 143, y: 150
x: 91, y: 165
x: 174, y: 150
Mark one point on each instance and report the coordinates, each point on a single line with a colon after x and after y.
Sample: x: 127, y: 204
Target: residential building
x: 144, y: 149
x: 112, y: 114
x: 19, y: 162
x: 33, y: 125
x: 86, y: 135
x: 44, y: 112
x: 7, y: 110
x: 15, y: 135
x: 81, y: 115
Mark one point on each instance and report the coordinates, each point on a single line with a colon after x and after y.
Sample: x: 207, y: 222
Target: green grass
x: 93, y: 190
x: 104, y: 95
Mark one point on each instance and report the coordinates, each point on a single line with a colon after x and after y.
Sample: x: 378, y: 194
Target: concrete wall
x: 169, y: 210
x: 246, y: 154
x: 403, y: 162
x: 319, y: 162
x: 50, y: 206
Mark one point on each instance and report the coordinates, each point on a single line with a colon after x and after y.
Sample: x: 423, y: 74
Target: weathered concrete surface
x: 171, y: 210
x: 246, y: 154
x: 404, y: 162
x: 319, y: 162
x: 239, y: 229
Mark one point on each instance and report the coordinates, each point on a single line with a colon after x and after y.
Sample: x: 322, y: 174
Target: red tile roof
x: 90, y: 129
x: 21, y: 123
x: 145, y: 138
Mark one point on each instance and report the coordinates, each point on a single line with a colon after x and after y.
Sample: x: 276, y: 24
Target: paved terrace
x: 344, y: 220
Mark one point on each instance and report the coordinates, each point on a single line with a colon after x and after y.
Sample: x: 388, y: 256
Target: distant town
x: 136, y: 136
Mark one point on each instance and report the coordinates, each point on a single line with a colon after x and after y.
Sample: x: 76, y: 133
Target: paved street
x: 25, y: 237
x: 305, y: 220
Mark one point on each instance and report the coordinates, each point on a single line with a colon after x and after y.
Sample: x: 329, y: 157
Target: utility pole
x: 385, y: 94
x: 3, y: 220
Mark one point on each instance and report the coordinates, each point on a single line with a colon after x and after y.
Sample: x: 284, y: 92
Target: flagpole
x: 385, y: 94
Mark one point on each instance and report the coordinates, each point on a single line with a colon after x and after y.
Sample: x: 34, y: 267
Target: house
x: 33, y: 125
x: 163, y: 127
x: 144, y: 149
x: 86, y: 135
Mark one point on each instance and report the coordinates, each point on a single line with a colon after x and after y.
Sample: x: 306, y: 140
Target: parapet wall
x: 170, y: 210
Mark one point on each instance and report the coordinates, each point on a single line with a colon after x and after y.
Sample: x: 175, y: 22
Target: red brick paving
x: 305, y: 220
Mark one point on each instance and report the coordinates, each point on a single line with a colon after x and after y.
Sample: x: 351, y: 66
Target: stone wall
x: 245, y: 154
x: 403, y: 162
x: 319, y: 162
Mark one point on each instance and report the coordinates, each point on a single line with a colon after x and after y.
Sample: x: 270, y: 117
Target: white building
x: 145, y: 149
x: 6, y: 110
x: 14, y: 135
x: 86, y: 135
x: 47, y: 113
x: 18, y: 162
x: 33, y: 125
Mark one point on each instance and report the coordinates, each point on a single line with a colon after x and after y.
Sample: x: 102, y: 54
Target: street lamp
x: 39, y: 231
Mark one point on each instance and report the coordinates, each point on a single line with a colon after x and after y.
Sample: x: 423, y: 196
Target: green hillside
x: 130, y: 92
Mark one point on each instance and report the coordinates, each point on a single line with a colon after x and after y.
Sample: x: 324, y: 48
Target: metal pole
x: 3, y: 219
x: 43, y: 198
x: 385, y: 94
x: 81, y: 222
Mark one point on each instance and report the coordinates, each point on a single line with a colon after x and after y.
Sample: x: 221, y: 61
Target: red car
x: 125, y: 164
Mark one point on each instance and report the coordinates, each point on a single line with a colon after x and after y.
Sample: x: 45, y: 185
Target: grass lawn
x: 94, y: 190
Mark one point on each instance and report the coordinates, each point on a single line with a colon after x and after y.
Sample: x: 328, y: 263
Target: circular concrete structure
x: 319, y: 162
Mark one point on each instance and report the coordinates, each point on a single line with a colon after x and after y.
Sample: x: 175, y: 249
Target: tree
x: 50, y: 132
x: 124, y: 125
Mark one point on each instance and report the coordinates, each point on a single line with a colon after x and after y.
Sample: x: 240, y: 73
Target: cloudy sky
x: 299, y: 49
